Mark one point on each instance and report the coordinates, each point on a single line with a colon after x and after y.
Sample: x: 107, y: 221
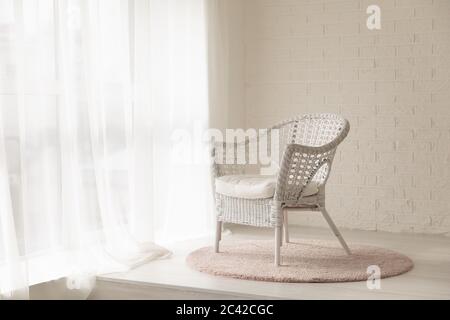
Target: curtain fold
x: 103, y: 105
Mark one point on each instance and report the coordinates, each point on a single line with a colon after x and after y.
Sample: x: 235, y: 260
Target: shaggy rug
x: 301, y: 261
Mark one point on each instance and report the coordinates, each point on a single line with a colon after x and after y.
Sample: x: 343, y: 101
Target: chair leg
x: 281, y: 237
x: 278, y: 237
x: 286, y: 226
x: 218, y: 235
x: 335, y: 230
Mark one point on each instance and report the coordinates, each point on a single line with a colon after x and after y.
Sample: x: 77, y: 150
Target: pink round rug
x: 302, y: 261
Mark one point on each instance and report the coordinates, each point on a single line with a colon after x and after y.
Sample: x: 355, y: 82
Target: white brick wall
x: 393, y: 172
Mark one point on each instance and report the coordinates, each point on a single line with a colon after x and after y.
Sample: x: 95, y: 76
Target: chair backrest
x: 323, y: 132
x: 314, y: 130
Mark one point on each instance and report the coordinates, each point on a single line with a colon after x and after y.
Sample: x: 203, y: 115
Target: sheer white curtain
x: 102, y: 108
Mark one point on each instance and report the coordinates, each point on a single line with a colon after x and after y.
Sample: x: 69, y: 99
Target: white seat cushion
x: 254, y: 187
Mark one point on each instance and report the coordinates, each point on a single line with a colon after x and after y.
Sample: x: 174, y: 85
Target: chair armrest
x: 300, y: 166
x: 224, y: 163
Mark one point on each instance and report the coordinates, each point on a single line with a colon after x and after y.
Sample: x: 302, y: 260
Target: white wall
x: 393, y: 171
x: 227, y: 107
x: 237, y: 66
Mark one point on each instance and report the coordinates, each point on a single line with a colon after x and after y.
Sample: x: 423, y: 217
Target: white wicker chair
x: 307, y: 148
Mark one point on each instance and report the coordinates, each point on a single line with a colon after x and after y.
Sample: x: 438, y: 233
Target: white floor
x: 172, y: 279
